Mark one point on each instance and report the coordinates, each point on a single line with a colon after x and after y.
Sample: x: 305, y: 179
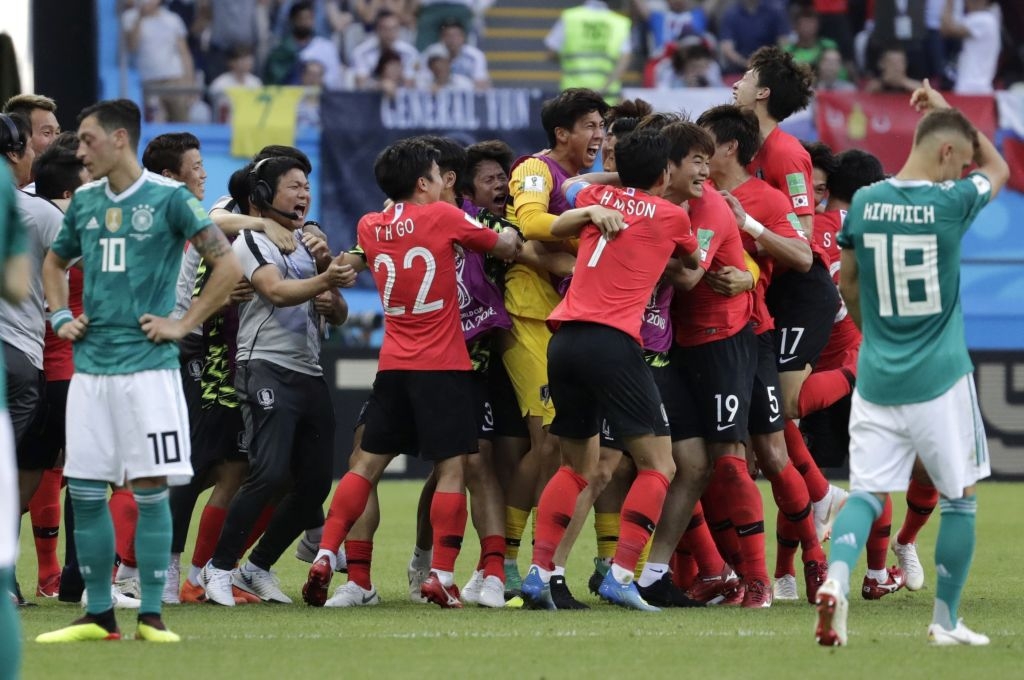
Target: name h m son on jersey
x: 633, y: 207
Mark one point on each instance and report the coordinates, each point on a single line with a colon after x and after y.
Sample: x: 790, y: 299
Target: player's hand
x: 513, y: 236
x: 283, y: 238
x: 729, y: 281
x: 75, y: 329
x: 161, y: 329
x: 339, y: 275
x: 737, y: 209
x: 388, y: 205
x: 926, y: 99
x: 242, y: 292
x: 317, y: 247
x: 609, y: 222
x: 324, y: 303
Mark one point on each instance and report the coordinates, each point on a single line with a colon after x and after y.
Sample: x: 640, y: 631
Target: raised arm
x: 849, y: 283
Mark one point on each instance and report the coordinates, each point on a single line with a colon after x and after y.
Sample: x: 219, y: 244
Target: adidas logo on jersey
x: 92, y: 224
x: 846, y: 539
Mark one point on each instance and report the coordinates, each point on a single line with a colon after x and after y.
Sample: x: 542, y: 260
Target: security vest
x: 592, y: 47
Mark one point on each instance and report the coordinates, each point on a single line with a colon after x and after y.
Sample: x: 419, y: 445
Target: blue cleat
x: 535, y: 593
x: 623, y: 594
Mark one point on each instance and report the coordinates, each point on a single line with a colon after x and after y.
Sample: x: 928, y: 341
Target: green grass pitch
x: 400, y: 639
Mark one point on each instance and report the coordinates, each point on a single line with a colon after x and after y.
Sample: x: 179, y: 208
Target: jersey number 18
x: 925, y: 274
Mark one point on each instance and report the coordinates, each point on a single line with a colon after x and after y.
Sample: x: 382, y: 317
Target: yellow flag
x: 262, y: 116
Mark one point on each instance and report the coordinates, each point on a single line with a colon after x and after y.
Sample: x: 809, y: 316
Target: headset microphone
x: 286, y: 215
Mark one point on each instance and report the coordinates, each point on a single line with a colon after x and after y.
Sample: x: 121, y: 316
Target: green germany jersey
x: 12, y: 244
x: 906, y: 238
x: 131, y: 246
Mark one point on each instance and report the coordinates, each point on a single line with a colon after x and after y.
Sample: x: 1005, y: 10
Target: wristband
x: 60, y: 317
x: 753, y: 227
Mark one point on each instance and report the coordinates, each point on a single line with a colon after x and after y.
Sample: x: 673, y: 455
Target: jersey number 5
x: 923, y: 277
x: 420, y: 306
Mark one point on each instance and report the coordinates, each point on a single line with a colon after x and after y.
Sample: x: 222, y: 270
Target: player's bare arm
x: 317, y: 247
x: 55, y: 287
x: 15, y: 284
x: 281, y: 292
x: 791, y: 252
x: 510, y: 242
x: 332, y: 306
x: 849, y: 283
x: 233, y: 223
x: 681, y: 276
x: 547, y: 257
x: 608, y: 221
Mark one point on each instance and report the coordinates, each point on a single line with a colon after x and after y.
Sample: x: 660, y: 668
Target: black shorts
x: 26, y: 387
x: 44, y: 441
x: 192, y: 355
x: 508, y: 419
x: 765, y: 407
x: 597, y: 371
x: 430, y: 412
x: 218, y: 436
x: 720, y: 375
x: 675, y: 396
x: 484, y: 407
x: 828, y: 433
x: 804, y: 307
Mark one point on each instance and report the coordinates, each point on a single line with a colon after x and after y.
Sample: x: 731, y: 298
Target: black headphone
x: 15, y: 144
x: 261, y: 194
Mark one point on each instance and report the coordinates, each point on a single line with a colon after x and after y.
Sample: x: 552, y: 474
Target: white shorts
x: 123, y: 427
x: 10, y: 518
x: 946, y: 433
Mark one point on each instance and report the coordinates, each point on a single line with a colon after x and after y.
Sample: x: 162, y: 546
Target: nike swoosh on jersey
x: 786, y: 360
x: 722, y: 428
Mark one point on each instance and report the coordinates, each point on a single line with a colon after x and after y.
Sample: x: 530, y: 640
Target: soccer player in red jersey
x: 771, y: 234
x: 596, y: 366
x: 410, y: 248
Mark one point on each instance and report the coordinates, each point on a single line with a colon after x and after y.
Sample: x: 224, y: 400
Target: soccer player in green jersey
x: 126, y: 416
x: 915, y: 396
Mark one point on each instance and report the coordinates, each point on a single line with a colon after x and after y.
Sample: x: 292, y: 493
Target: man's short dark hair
x: 730, y: 123
x: 640, y: 158
x: 821, y: 155
x: 298, y: 7
x: 115, y: 114
x: 949, y: 120
x: 239, y: 188
x: 854, y: 169
x: 791, y: 83
x: 57, y: 170
x: 451, y: 156
x: 279, y: 150
x: 659, y: 120
x: 25, y: 104
x: 165, y: 152
x: 567, y: 107
x: 626, y: 115
x: 683, y: 139
x: 67, y: 139
x: 15, y: 143
x: 399, y: 167
x: 265, y: 177
x: 489, y: 150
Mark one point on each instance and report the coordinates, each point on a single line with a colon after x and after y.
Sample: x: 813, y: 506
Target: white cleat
x: 492, y: 593
x: 260, y: 582
x: 470, y: 593
x: 217, y: 584
x: 121, y: 601
x: 961, y: 635
x: 826, y: 509
x: 913, y: 572
x: 172, y: 584
x: 352, y: 594
x: 832, y: 607
x: 416, y: 578
x: 784, y: 588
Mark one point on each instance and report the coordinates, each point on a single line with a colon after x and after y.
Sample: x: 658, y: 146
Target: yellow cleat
x: 154, y: 634
x: 79, y: 632
x: 515, y: 603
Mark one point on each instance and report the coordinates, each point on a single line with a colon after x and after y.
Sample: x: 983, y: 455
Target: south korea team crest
x: 142, y: 217
x: 265, y: 397
x: 114, y: 219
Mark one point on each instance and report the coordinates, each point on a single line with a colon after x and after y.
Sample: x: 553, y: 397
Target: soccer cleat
x: 306, y: 552
x: 191, y: 593
x: 446, y: 597
x: 85, y: 629
x: 832, y: 609
x: 471, y: 591
x: 815, y: 574
x: 665, y: 593
x: 352, y: 594
x: 873, y: 590
x: 513, y: 581
x: 757, y: 596
x: 18, y: 599
x: 535, y: 593
x: 260, y: 582
x: 961, y: 635
x: 244, y: 597
x: 601, y: 567
x: 129, y: 587
x: 49, y: 587
x: 720, y: 589
x: 417, y: 577
x: 784, y: 588
x: 216, y: 583
x: 562, y: 596
x: 515, y: 602
x: 913, y: 572
x: 171, y: 584
x: 623, y: 594
x: 492, y: 593
x: 152, y: 629
x: 826, y: 509
x: 314, y: 590
x: 121, y: 601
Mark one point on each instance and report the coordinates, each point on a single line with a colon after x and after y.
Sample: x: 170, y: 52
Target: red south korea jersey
x: 410, y: 250
x: 783, y: 162
x: 826, y: 227
x: 614, y: 280
x: 701, y: 315
x: 844, y: 341
x: 768, y: 206
x: 58, y: 363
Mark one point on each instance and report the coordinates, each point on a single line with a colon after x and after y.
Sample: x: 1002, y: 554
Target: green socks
x: 94, y: 540
x: 152, y: 545
x: 954, y: 550
x: 850, y: 534
x: 10, y: 627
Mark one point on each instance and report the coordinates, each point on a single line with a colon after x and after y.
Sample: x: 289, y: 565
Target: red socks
x: 733, y: 485
x: 347, y: 505
x: 640, y: 514
x: 125, y: 514
x: 448, y: 515
x: 210, y: 524
x: 878, y: 539
x: 698, y: 542
x: 787, y: 542
x: 791, y: 497
x: 720, y: 528
x: 921, y: 500
x: 817, y: 485
x: 554, y: 511
x: 360, y: 556
x: 492, y: 556
x: 44, y: 509
x: 259, y: 527
x: 823, y: 389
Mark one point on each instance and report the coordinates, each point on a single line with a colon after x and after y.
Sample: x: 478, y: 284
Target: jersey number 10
x: 903, y: 274
x: 113, y: 254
